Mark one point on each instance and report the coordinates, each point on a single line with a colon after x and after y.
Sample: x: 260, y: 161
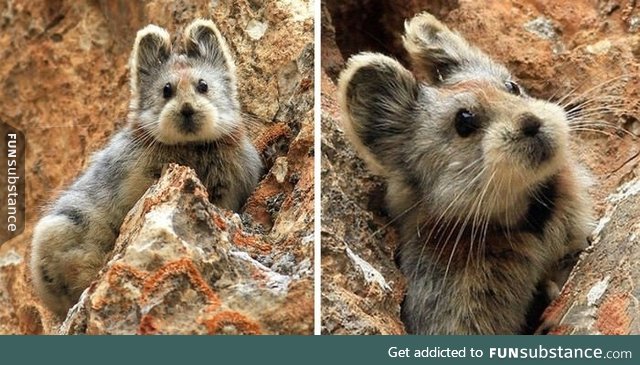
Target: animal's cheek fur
x: 147, y: 121
x: 452, y: 199
x: 213, y: 125
x: 558, y: 130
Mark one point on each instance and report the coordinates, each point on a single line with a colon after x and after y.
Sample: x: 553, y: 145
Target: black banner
x: 12, y: 182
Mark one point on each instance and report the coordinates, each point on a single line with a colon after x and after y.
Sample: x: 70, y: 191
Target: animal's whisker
x: 565, y: 101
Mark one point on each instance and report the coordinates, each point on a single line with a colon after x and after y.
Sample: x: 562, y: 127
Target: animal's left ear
x: 204, y: 41
x: 439, y: 53
x: 151, y: 49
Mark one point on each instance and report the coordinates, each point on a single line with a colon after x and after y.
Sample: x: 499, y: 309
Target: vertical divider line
x: 317, y: 187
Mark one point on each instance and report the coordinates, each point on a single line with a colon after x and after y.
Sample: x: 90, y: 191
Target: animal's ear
x: 151, y: 49
x: 204, y: 41
x: 438, y: 53
x: 377, y: 97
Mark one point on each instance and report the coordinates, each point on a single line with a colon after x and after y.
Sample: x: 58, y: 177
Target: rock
x: 601, y: 47
x: 601, y: 296
x: 256, y: 29
x: 361, y: 287
x: 78, y: 54
x: 575, y: 51
x: 179, y: 267
x: 9, y: 264
x: 542, y: 27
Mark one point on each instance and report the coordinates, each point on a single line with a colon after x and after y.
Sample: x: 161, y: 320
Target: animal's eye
x: 466, y: 123
x: 202, y: 86
x: 167, y: 91
x: 512, y: 87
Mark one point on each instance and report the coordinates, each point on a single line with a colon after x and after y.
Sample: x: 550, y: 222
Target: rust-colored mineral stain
x: 231, y: 318
x: 242, y: 240
x: 271, y: 135
x: 30, y: 320
x: 149, y: 203
x: 180, y: 267
x: 257, y: 204
x: 613, y: 316
x: 115, y: 276
x: 118, y: 271
x: 305, y: 84
x: 147, y: 326
x: 257, y: 275
x: 558, y: 307
x: 219, y: 222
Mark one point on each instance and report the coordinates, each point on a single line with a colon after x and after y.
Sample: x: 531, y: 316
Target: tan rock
x: 361, y: 287
x: 601, y: 296
x: 178, y: 268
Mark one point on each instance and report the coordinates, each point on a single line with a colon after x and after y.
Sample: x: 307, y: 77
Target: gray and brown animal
x: 490, y: 203
x: 183, y: 109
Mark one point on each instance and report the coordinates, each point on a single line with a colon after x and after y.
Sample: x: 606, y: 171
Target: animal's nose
x: 187, y: 110
x: 530, y: 125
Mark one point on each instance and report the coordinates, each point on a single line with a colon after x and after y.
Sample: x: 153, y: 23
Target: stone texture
x: 64, y: 82
x: 179, y: 267
x: 361, y: 287
x: 583, y: 49
x: 601, y: 296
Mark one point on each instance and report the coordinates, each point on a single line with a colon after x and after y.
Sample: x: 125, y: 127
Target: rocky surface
x: 180, y: 266
x: 585, y: 50
x: 65, y: 84
x: 601, y: 296
x: 361, y: 287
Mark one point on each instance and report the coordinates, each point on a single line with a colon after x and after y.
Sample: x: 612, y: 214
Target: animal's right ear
x: 204, y: 41
x: 377, y: 96
x: 437, y: 52
x: 151, y: 49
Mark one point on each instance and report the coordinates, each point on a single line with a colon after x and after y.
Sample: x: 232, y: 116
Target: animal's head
x: 468, y: 130
x: 183, y: 95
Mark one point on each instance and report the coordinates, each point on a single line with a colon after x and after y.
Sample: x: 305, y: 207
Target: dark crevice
x: 377, y: 25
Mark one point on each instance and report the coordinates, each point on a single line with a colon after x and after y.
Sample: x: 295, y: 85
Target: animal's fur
x: 76, y: 234
x: 485, y: 219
